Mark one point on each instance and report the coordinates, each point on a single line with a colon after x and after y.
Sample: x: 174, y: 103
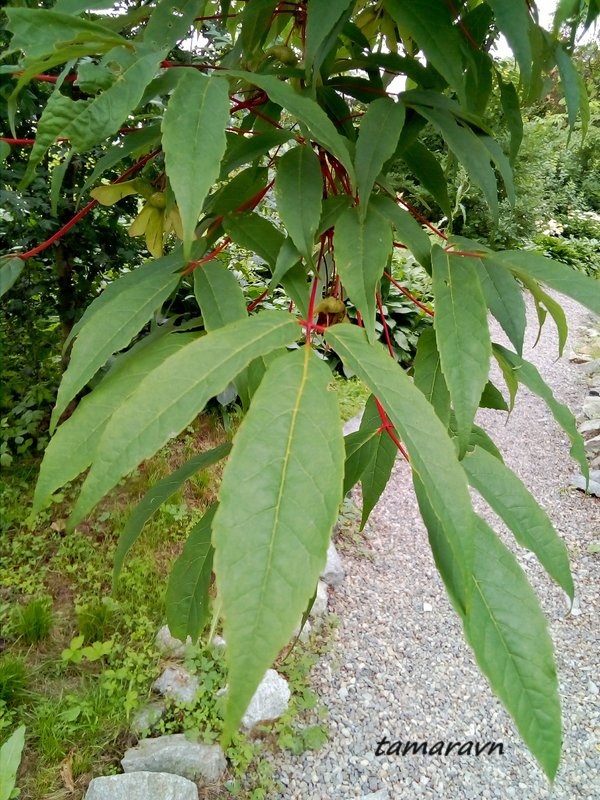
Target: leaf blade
x: 299, y: 191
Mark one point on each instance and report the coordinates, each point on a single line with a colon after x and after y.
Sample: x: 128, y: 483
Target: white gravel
x: 400, y: 667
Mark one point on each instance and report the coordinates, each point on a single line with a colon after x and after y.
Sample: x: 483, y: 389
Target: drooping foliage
x: 274, y: 131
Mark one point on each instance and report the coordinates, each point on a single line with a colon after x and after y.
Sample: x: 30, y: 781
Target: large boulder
x: 142, y: 786
x: 177, y: 755
x: 269, y: 702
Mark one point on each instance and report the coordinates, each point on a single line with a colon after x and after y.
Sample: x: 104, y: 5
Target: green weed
x: 13, y: 679
x: 33, y: 621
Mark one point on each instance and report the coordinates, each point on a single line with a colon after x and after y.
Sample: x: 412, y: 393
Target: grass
x: 56, y: 603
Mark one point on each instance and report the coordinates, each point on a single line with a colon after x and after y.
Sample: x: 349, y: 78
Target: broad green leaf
x: 362, y: 249
x: 511, y: 109
x: 279, y: 500
x: 428, y: 375
x: 555, y: 275
x: 10, y: 758
x: 156, y: 496
x: 112, y: 321
x: 194, y: 142
x: 492, y: 398
x: 430, y: 24
x: 428, y: 171
x: 544, y: 303
x: 332, y: 208
x: 72, y: 447
x: 321, y: 129
x: 189, y: 581
x: 170, y: 22
x: 468, y: 149
x: 287, y: 258
x: 527, y: 374
x: 504, y: 298
x: 502, y: 164
x: 564, y: 10
x: 324, y: 17
x: 10, y: 269
x: 570, y: 82
x: 479, y: 438
x: 255, y: 23
x: 239, y: 190
x: 408, y: 231
x: 257, y: 234
x: 514, y: 20
x: 77, y: 6
x: 509, y: 636
x: 173, y: 394
x: 377, y: 140
x: 4, y: 151
x: 242, y: 149
x: 360, y: 447
x: 462, y: 335
x: 511, y: 500
x: 299, y: 190
x: 375, y: 477
x: 41, y: 32
x: 432, y: 455
x: 296, y: 286
x: 219, y: 295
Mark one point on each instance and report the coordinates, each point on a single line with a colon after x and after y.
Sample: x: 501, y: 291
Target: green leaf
x: 428, y: 375
x: 511, y: 109
x: 544, y: 303
x: 514, y: 20
x: 324, y: 18
x: 527, y: 374
x: 479, y: 438
x: 383, y: 453
x: 170, y: 22
x: 408, y: 231
x: 504, y: 298
x: 430, y: 24
x: 502, y: 165
x: 239, y: 190
x: 4, y: 151
x: 558, y: 276
x: 508, y: 633
x: 112, y: 321
x: 72, y: 447
x: 377, y: 140
x: 360, y: 447
x: 491, y: 397
x: 156, y: 496
x: 462, y: 335
x: 362, y: 249
x: 173, y: 394
x: 432, y: 454
x: 569, y: 79
x: 10, y: 758
x: 511, y: 500
x: 299, y: 190
x: 78, y: 6
x: 240, y: 150
x: 219, y: 295
x: 469, y: 149
x: 10, y: 269
x: 332, y: 208
x: 257, y: 234
x: 194, y: 142
x: 428, y: 171
x: 279, y: 499
x: 321, y: 129
x: 255, y: 24
x: 189, y: 581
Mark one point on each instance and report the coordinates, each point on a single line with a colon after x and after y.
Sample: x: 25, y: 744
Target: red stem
x: 85, y: 210
x: 258, y: 300
x: 423, y: 220
x: 409, y: 295
x: 191, y: 266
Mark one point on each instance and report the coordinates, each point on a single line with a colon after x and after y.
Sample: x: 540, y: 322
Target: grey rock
x: 218, y: 641
x: 333, y: 574
x: 269, y: 702
x: 147, y: 716
x: 352, y: 425
x: 589, y: 426
x: 177, y: 755
x: 593, y: 444
x: 141, y: 786
x: 169, y: 645
x: 319, y: 608
x: 591, y: 407
x: 382, y: 794
x: 578, y: 481
x: 177, y: 684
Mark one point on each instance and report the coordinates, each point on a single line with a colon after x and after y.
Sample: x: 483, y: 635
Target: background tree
x: 295, y: 105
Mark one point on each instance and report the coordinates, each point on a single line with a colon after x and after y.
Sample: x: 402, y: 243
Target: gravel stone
x: 397, y: 672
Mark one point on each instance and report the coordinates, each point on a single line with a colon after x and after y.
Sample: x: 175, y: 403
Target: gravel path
x: 400, y: 667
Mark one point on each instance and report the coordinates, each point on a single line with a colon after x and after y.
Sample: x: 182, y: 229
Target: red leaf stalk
x: 409, y: 295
